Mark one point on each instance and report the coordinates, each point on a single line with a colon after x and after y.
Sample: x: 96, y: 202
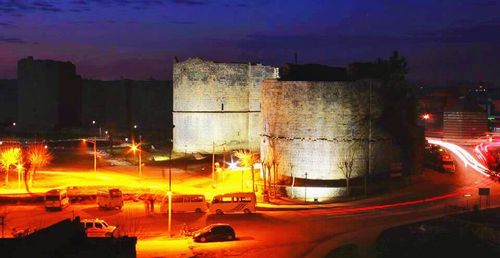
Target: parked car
x: 214, y: 232
x: 97, y: 228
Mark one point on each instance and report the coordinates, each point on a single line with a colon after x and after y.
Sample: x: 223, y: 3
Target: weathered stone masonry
x: 310, y: 125
x: 217, y: 103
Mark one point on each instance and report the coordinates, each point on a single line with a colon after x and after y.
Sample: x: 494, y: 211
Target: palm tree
x: 8, y: 158
x: 37, y: 156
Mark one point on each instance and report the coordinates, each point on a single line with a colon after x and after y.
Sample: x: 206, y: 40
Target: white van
x: 233, y: 202
x: 185, y: 203
x: 56, y: 199
x: 110, y: 199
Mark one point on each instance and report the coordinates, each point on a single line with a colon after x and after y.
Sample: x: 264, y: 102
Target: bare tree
x: 345, y: 164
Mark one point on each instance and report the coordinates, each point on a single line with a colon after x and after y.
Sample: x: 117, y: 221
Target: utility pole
x: 169, y: 213
x: 253, y: 179
x: 213, y: 163
x: 170, y: 169
x: 293, y: 180
x: 170, y: 191
x: 140, y: 162
x: 95, y: 154
x: 305, y: 190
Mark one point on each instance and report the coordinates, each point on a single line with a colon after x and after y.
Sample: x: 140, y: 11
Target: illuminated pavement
x: 297, y: 233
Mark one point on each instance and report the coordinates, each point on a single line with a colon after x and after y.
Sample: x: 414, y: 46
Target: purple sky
x: 137, y: 39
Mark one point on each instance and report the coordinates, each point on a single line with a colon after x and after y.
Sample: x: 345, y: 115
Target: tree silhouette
x: 8, y: 158
x: 37, y: 156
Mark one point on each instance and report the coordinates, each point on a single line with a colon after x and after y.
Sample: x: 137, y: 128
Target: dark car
x: 214, y: 232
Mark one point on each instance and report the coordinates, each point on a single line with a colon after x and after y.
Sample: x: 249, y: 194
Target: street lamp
x: 136, y: 148
x: 169, y: 213
x: 94, y: 142
x: 425, y: 117
x: 100, y: 130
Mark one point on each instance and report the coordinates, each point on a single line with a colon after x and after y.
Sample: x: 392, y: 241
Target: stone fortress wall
x: 309, y: 127
x: 217, y: 103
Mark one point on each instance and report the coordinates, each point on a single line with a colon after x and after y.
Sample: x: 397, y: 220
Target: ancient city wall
x: 217, y: 102
x: 310, y: 127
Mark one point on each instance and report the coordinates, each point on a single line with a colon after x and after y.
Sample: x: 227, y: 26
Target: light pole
x: 134, y: 148
x: 305, y: 189
x: 169, y: 213
x: 94, y: 142
x: 170, y: 167
x: 425, y: 117
x: 170, y: 190
x: 213, y: 164
x: 19, y: 168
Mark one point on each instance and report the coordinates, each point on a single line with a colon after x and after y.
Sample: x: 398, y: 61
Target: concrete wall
x: 217, y: 102
x: 309, y: 127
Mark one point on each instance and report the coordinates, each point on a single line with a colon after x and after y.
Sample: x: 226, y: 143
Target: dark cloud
x: 7, y: 24
x: 12, y: 40
x: 16, y: 7
x: 485, y: 32
x: 315, y: 41
x: 13, y: 7
x: 139, y: 3
x: 182, y: 22
x: 189, y: 2
x: 487, y: 3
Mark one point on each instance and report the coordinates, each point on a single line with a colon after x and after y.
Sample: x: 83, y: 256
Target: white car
x: 97, y: 228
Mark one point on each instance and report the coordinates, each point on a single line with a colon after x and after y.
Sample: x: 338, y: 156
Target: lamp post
x: 170, y: 167
x: 169, y: 213
x: 94, y: 142
x: 425, y: 117
x: 305, y: 189
x: 19, y: 168
x: 213, y: 164
x: 136, y: 148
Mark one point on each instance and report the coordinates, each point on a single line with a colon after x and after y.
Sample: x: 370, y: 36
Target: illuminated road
x: 299, y: 233
x: 278, y: 233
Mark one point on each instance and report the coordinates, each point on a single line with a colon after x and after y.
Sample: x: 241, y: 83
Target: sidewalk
x: 426, y: 188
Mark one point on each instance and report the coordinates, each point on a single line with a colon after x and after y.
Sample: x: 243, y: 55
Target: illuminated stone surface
x: 310, y: 125
x: 217, y: 102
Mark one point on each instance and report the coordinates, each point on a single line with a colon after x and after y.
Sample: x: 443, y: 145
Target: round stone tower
x: 313, y: 131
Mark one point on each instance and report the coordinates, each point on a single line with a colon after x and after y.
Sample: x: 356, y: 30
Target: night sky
x: 137, y: 39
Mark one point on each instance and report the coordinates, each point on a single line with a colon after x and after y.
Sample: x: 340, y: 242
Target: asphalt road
x: 292, y: 233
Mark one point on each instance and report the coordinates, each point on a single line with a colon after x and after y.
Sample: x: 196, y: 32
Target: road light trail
x: 380, y: 207
x: 463, y: 155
